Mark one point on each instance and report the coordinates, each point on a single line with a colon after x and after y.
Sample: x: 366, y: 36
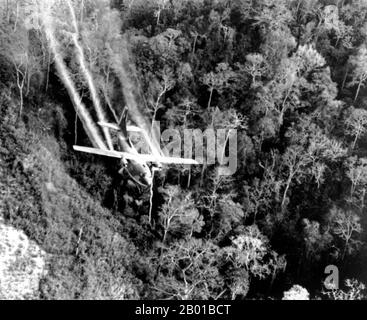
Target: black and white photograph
x: 203, y: 151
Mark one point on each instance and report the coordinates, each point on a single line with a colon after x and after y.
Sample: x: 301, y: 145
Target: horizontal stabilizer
x: 136, y: 157
x: 133, y: 129
x: 109, y: 126
x: 117, y: 128
x: 172, y: 160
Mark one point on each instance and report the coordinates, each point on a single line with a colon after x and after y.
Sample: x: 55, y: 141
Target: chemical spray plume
x: 127, y: 75
x: 88, y: 124
x: 87, y: 75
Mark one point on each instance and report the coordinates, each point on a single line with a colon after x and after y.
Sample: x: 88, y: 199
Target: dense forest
x: 289, y: 76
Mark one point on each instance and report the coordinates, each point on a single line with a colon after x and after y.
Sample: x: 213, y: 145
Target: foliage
x: 289, y: 76
x: 355, y: 290
x: 296, y: 293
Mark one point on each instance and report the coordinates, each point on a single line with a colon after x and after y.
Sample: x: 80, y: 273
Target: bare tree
x: 178, y: 214
x: 356, y: 124
x: 164, y: 86
x: 359, y: 73
x: 161, y: 6
x: 187, y: 269
x: 21, y: 74
x: 345, y: 225
x: 357, y: 173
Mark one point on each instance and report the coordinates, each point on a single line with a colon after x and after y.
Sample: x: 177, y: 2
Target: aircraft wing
x: 136, y: 157
x: 106, y: 153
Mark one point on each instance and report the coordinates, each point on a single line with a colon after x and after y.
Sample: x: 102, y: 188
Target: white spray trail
x: 126, y: 73
x: 85, y: 117
x: 81, y: 60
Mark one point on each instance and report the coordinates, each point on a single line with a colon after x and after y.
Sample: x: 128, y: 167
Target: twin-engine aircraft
x: 138, y: 166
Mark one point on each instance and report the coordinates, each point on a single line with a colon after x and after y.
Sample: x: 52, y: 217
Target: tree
x: 218, y: 80
x: 296, y: 293
x: 345, y: 225
x: 355, y: 290
x: 316, y: 239
x: 255, y: 67
x: 273, y: 19
x: 357, y: 174
x: 161, y: 6
x: 190, y: 270
x: 225, y: 214
x: 356, y: 123
x: 296, y: 162
x: 359, y: 73
x: 306, y: 156
x: 261, y: 193
x: 15, y: 46
x: 21, y: 73
x: 250, y: 250
x: 178, y: 216
x: 183, y: 112
x: 162, y: 87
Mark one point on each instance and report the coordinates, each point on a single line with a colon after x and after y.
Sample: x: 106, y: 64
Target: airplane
x: 135, y: 164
